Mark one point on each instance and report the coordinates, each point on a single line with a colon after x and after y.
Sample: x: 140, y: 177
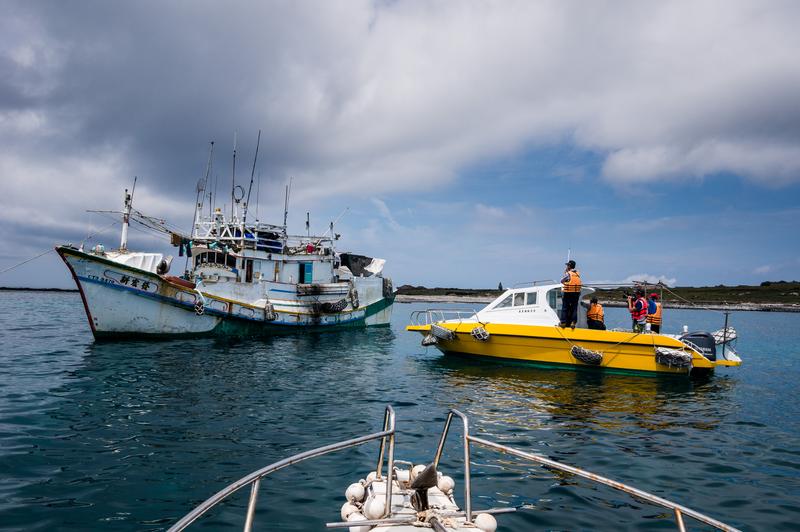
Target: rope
x: 43, y: 253
x: 26, y: 261
x: 665, y: 287
x: 634, y: 335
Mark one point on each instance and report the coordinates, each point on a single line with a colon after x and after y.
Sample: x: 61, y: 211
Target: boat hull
x: 552, y: 346
x: 124, y: 302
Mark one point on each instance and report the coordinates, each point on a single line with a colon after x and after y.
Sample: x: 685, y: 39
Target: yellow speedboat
x: 523, y: 325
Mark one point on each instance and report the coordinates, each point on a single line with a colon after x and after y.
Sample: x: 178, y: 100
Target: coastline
x: 748, y: 307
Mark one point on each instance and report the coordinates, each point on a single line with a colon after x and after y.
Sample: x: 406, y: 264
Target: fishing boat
x: 400, y: 496
x: 522, y: 324
x: 242, y: 278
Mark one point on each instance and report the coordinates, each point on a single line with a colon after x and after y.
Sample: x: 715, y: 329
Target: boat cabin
x: 530, y: 305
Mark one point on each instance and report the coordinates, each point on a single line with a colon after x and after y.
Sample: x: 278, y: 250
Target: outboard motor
x: 704, y: 342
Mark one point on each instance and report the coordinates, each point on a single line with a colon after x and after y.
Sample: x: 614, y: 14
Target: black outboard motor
x: 704, y: 342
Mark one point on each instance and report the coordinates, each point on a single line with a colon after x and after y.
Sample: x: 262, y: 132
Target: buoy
x: 354, y: 493
x: 446, y: 484
x: 416, y: 470
x: 357, y: 517
x: 348, y: 509
x: 485, y: 522
x: 374, y: 507
x: 372, y: 476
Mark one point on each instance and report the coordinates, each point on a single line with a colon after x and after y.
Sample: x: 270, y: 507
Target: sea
x: 133, y: 435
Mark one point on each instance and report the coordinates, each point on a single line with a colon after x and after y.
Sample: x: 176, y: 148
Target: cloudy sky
x: 474, y: 142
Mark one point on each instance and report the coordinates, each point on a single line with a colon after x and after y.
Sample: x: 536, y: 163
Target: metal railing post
x: 440, y: 448
x: 251, y: 506
x: 389, y: 475
x: 679, y: 520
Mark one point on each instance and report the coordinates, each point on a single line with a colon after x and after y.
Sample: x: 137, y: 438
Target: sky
x: 472, y: 142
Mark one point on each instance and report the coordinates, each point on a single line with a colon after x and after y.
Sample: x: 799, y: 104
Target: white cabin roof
x: 527, y: 305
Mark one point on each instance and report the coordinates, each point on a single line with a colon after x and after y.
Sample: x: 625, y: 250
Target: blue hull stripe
x: 210, y: 311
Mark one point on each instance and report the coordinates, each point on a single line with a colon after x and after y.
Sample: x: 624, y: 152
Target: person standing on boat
x: 571, y: 283
x: 654, y: 313
x: 637, y: 306
x: 594, y: 316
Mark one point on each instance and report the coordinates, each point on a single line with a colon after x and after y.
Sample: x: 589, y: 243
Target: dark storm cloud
x: 369, y: 98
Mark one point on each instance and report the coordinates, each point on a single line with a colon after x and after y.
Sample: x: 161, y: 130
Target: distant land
x: 777, y: 296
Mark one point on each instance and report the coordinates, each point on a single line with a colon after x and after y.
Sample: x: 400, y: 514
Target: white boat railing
x: 429, y: 316
x: 388, y: 433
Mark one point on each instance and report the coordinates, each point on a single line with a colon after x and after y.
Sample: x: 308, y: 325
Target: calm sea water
x: 131, y: 436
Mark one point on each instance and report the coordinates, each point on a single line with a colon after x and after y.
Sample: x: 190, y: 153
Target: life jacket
x: 639, y: 315
x: 574, y: 283
x: 595, y: 312
x: 655, y: 318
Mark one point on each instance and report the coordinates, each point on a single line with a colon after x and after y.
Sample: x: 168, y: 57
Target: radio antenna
x: 252, y: 175
x: 233, y: 175
x: 286, y: 204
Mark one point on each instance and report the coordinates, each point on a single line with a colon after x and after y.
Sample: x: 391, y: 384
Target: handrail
x: 254, y: 478
x: 428, y: 316
x: 678, y: 509
x: 538, y: 282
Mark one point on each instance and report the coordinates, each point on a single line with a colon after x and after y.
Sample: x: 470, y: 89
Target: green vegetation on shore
x: 767, y: 293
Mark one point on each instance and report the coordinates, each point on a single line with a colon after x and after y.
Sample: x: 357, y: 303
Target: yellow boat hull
x: 549, y: 345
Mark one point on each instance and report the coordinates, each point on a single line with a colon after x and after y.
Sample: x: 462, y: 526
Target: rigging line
x: 26, y: 261
x: 53, y: 249
x: 665, y: 287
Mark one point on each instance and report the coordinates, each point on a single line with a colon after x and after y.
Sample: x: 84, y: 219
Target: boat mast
x: 126, y: 215
x: 201, y: 188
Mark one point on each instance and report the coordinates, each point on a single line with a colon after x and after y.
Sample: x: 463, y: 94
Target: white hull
x: 126, y: 301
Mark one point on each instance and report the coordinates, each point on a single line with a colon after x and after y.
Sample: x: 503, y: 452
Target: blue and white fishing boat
x: 243, y: 278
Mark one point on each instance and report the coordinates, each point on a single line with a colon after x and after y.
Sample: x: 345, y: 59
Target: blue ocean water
x: 132, y: 435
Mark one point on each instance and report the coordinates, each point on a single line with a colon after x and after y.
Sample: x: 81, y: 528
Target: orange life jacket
x: 655, y: 318
x: 574, y: 283
x: 595, y: 312
x: 637, y: 315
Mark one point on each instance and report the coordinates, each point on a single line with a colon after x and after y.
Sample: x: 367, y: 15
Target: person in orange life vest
x: 654, y: 313
x: 571, y: 290
x: 637, y: 306
x: 594, y: 316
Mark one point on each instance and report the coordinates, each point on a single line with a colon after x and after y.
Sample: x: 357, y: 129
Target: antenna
x: 258, y: 192
x: 252, y: 174
x: 308, y: 224
x: 286, y: 204
x: 233, y: 173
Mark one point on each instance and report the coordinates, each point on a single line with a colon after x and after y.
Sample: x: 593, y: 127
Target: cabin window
x: 519, y: 299
x: 531, y: 298
x: 505, y: 303
x: 554, y: 299
x: 230, y: 261
x: 306, y: 273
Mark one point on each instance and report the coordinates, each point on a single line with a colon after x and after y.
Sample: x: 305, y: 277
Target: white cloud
x: 367, y: 99
x: 763, y: 269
